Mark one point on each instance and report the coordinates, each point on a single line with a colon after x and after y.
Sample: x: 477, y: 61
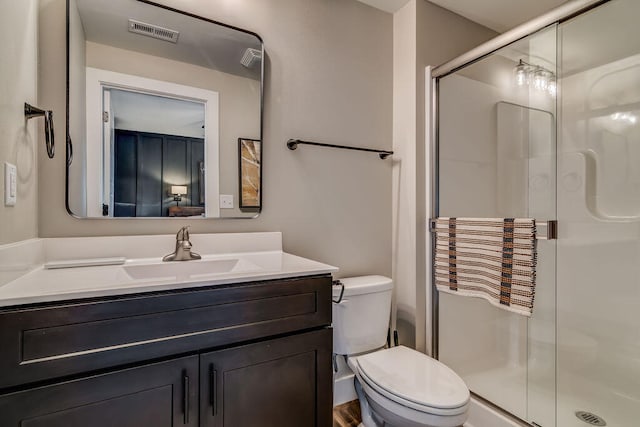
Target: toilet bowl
x: 396, y: 386
x: 407, y: 388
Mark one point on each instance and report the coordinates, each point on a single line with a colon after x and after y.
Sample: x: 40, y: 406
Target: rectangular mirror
x: 160, y: 104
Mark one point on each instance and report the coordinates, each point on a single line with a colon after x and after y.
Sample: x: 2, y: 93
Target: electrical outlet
x: 10, y: 184
x: 226, y: 201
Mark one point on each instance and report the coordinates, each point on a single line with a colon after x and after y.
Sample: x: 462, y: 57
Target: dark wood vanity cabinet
x: 251, y: 354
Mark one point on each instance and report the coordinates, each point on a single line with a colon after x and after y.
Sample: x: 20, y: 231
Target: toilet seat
x: 414, y: 380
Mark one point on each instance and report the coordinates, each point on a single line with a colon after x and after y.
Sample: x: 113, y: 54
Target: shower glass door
x: 599, y: 218
x: 576, y: 360
x: 497, y: 158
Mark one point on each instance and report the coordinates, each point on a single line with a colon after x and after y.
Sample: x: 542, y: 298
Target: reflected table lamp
x: 177, y: 191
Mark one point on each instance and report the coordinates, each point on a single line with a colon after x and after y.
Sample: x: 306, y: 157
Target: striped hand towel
x: 490, y: 258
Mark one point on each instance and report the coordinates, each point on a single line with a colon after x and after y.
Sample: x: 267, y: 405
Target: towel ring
x: 49, y: 136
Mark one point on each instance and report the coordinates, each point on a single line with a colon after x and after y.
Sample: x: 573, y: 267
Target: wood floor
x: 347, y: 414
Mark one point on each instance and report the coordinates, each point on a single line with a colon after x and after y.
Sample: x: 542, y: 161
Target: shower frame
x: 558, y: 15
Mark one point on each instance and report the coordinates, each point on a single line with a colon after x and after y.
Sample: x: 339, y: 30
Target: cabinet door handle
x: 185, y: 397
x: 213, y: 376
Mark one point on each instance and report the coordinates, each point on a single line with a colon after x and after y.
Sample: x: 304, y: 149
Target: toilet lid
x: 415, y: 377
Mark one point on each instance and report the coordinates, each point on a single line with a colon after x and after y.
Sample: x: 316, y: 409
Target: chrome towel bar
x: 551, y: 229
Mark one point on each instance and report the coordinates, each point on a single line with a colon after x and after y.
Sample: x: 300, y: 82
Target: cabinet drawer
x: 39, y: 343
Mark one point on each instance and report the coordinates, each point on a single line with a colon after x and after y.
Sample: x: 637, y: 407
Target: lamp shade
x: 179, y: 189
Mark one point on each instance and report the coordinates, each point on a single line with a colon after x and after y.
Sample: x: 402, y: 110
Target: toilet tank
x: 361, y: 319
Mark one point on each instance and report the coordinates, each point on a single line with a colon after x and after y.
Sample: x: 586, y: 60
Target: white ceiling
x: 200, y: 42
x: 390, y: 6
x: 499, y: 15
x: 151, y: 113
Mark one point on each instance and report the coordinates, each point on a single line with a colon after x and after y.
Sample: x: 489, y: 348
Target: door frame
x: 96, y: 81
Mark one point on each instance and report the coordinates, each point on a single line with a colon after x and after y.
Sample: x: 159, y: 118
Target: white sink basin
x: 189, y: 269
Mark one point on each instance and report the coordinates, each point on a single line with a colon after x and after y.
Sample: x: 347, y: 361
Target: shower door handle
x: 552, y: 231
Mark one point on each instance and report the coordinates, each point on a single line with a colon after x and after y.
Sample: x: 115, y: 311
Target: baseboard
x: 343, y: 390
x: 484, y: 415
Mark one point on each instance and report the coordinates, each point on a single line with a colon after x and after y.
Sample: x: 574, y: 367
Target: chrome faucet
x: 183, y: 248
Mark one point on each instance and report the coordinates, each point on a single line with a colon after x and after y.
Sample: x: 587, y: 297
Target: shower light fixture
x: 624, y: 117
x: 539, y: 77
x: 552, y: 87
x: 521, y: 73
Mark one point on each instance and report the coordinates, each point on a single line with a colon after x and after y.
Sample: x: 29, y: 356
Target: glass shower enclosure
x: 548, y: 127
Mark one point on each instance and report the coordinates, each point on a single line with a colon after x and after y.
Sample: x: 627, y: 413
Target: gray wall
x: 329, y: 78
x: 434, y: 49
x: 19, y: 140
x: 425, y: 34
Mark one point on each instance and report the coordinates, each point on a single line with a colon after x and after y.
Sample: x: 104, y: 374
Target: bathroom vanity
x: 248, y: 348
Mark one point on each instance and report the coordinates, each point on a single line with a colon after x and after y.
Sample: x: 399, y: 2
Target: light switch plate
x: 226, y: 201
x: 10, y: 184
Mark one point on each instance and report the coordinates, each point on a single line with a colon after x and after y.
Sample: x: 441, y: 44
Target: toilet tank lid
x: 363, y: 285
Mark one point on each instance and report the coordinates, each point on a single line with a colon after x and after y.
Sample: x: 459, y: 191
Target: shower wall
x: 599, y: 217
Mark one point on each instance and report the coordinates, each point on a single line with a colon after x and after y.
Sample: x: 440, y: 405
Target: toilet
x: 397, y: 386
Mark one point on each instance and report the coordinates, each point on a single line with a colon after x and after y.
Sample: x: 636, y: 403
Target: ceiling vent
x: 250, y: 57
x: 154, y: 31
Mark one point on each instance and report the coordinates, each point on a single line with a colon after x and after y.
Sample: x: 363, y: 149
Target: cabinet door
x: 286, y: 382
x: 158, y: 395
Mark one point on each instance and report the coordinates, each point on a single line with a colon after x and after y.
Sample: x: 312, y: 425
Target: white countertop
x: 46, y: 285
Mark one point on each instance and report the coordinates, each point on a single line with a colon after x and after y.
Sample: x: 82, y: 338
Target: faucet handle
x: 183, y: 233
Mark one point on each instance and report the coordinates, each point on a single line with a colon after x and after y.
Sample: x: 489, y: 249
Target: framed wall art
x: 250, y: 174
